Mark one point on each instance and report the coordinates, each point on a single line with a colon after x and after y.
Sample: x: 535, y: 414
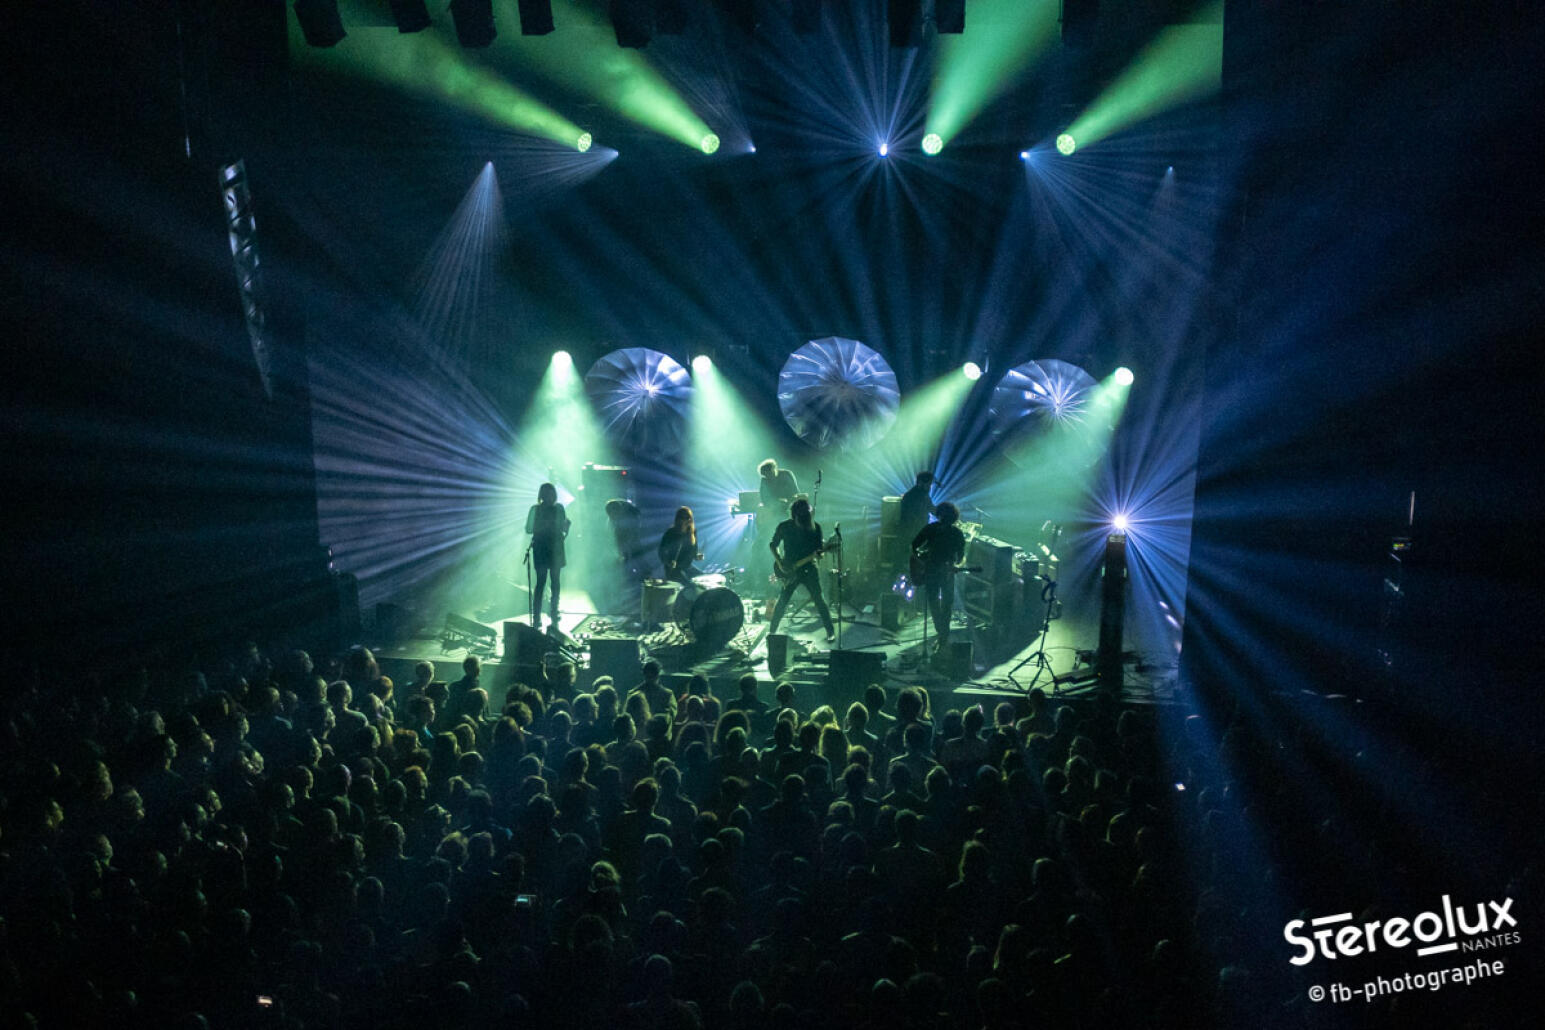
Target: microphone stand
x: 530, y: 596
x: 837, y: 532
x: 1038, y: 657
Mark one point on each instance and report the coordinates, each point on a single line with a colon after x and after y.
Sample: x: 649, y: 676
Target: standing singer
x: 547, y: 525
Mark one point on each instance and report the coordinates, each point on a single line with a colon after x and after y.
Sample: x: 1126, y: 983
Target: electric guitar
x: 788, y: 572
x: 917, y: 569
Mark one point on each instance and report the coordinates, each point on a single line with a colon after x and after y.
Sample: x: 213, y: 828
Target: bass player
x: 802, y: 545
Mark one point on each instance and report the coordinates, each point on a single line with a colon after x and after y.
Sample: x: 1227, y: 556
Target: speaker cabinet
x: 523, y: 644
x: 958, y: 658
x: 777, y: 654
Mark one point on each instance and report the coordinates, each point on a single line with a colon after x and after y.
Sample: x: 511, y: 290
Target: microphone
x: 818, y: 477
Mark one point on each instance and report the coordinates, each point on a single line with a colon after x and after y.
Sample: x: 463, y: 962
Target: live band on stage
x: 675, y: 584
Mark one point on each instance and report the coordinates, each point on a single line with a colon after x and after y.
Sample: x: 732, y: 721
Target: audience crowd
x: 295, y: 844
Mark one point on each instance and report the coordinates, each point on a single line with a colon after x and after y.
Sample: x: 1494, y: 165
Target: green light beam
x: 921, y: 422
x: 1182, y: 63
x: 559, y: 432
x: 727, y: 441
x: 1004, y: 38
x: 1054, y: 476
x: 583, y: 55
x: 423, y: 63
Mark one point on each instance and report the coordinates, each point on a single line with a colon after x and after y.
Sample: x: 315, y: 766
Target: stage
x: 982, y: 663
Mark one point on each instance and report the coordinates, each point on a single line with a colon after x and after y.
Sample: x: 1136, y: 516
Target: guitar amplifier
x: 995, y: 602
x: 890, y: 516
x: 994, y: 556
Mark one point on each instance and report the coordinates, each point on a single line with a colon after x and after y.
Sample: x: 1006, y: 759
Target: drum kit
x: 706, y: 608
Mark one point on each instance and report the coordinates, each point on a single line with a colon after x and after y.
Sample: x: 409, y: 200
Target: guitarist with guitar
x: 937, y: 551
x: 802, y: 545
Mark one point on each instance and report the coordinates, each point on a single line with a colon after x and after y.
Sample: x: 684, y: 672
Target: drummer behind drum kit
x: 706, y: 609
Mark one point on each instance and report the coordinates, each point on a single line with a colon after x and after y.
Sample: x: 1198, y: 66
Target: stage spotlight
x: 410, y: 15
x: 932, y: 144
x: 583, y: 143
x: 972, y: 370
x: 536, y: 17
x: 710, y: 143
x: 1123, y: 376
x: 1066, y: 145
x: 702, y: 363
x: 1120, y: 523
x: 562, y: 360
x: 885, y: 149
x: 1024, y: 155
x: 474, y: 22
x: 320, y: 22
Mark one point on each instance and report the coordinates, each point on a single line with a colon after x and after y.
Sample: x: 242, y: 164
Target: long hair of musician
x: 685, y: 524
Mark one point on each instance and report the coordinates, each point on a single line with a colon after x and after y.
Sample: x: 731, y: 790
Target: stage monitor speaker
x: 460, y: 631
x: 616, y: 657
x: 957, y: 660
x: 890, y: 516
x: 851, y: 671
x: 777, y: 654
x: 523, y: 644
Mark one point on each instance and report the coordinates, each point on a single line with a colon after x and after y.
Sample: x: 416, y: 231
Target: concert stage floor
x: 997, y: 671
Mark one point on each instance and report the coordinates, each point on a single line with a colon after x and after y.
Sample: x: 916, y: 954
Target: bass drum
x: 713, y: 616
x: 657, y: 603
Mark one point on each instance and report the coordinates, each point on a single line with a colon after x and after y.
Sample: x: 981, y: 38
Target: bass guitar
x: 788, y: 572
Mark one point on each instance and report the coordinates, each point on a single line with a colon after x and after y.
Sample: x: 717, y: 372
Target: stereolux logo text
x: 1482, y: 925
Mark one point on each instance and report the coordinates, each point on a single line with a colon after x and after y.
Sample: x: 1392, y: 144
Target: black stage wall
x: 154, y: 484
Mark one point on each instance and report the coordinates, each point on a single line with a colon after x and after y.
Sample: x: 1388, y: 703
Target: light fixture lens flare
x: 562, y: 359
x: 583, y: 143
x: 710, y: 143
x: 1066, y: 144
x: 702, y: 363
x: 885, y: 149
x: 932, y: 144
x: 972, y: 370
x: 1123, y: 376
x: 1120, y: 523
